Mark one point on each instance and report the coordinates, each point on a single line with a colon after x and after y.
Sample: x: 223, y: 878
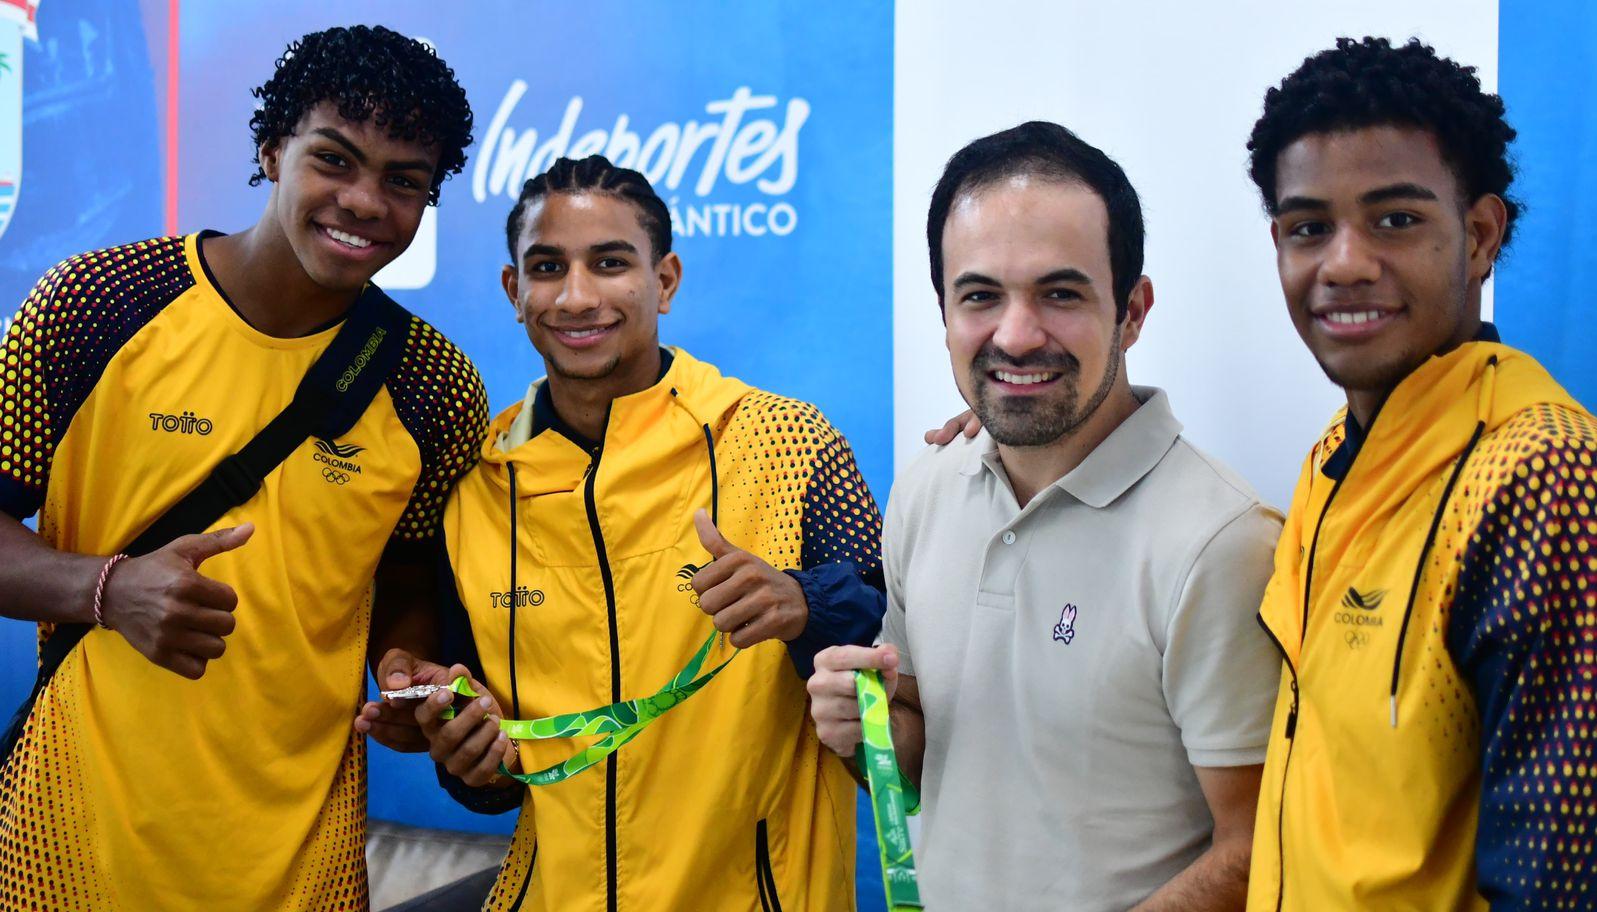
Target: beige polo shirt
x: 1076, y: 659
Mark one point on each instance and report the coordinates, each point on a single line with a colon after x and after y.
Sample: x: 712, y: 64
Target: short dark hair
x: 1051, y: 151
x: 367, y: 71
x: 1370, y: 83
x: 596, y: 174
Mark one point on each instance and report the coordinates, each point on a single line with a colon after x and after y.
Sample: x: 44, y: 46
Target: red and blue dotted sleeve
x: 1524, y: 630
x: 26, y: 438
x: 439, y: 397
x: 57, y: 345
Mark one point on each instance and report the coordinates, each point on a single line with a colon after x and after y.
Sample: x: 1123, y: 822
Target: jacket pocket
x: 765, y: 880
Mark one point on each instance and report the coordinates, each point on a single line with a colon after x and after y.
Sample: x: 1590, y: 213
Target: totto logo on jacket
x: 728, y: 801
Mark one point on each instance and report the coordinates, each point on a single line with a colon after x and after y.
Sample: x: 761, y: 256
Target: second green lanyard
x: 893, y: 797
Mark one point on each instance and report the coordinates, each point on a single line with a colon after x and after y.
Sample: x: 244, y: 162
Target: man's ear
x: 512, y: 283
x: 668, y: 272
x: 1137, y: 307
x: 271, y: 154
x: 1485, y: 224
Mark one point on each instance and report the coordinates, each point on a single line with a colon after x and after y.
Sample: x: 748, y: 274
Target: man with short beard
x: 1077, y: 682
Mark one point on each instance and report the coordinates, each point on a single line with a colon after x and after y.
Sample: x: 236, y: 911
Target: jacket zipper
x: 615, y: 680
x: 1292, y: 715
x: 1291, y: 735
x: 763, y: 876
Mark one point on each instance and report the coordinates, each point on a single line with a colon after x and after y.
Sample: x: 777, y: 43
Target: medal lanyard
x: 893, y: 796
x: 619, y: 722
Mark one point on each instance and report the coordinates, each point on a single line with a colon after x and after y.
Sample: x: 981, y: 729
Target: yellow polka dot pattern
x: 439, y: 397
x: 1524, y: 630
x: 76, y: 318
x: 783, y: 461
x: 42, y: 864
x: 334, y: 876
x: 516, y: 872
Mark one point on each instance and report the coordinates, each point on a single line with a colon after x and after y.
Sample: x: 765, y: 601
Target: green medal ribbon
x: 893, y: 796
x: 620, y: 722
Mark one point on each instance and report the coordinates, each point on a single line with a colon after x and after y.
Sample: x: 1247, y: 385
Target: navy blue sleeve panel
x: 439, y: 397
x: 72, y: 324
x: 840, y: 557
x: 1524, y: 634
x: 458, y: 646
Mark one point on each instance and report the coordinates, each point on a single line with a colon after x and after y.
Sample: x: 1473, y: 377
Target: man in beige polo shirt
x: 1079, y: 686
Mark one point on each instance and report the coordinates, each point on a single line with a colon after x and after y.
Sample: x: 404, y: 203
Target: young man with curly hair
x: 1434, y: 587
x: 193, y: 749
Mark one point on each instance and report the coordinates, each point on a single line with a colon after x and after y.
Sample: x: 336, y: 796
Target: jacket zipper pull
x: 1292, y: 714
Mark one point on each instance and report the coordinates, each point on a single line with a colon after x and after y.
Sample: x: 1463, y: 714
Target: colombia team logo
x: 18, y: 22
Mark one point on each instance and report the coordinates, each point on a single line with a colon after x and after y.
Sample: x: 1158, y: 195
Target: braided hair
x: 1370, y: 83
x: 596, y: 174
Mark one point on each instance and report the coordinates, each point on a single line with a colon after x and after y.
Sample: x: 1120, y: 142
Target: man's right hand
x: 168, y: 611
x: 834, y: 699
x: 470, y: 746
x: 392, y: 723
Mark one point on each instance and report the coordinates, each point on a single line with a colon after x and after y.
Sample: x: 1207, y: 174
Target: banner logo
x: 747, y: 139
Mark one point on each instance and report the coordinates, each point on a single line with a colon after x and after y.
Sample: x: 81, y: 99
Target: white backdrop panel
x: 1170, y: 90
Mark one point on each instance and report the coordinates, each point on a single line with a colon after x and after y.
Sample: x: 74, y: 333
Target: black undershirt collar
x: 545, y: 417
x: 1336, y: 466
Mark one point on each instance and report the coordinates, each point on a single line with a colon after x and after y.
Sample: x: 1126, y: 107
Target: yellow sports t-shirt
x: 124, y: 379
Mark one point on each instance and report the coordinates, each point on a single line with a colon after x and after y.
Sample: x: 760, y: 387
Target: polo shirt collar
x: 1128, y: 453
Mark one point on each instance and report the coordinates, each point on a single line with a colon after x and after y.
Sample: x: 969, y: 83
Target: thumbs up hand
x: 746, y: 597
x: 168, y: 611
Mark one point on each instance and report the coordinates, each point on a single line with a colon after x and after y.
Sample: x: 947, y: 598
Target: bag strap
x: 330, y: 399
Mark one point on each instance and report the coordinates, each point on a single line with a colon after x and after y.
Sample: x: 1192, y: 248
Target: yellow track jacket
x: 729, y: 802
x: 1434, y: 598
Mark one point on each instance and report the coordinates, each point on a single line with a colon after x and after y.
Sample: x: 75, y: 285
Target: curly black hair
x: 368, y: 71
x: 1367, y: 83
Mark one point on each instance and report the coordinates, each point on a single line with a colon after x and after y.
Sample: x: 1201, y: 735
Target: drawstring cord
x: 510, y: 467
x: 709, y: 448
x: 1482, y: 411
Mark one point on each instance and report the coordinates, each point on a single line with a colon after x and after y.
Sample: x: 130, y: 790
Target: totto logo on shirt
x: 185, y: 423
x: 1065, y: 630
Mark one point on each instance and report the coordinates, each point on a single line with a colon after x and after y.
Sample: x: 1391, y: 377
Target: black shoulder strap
x: 330, y: 398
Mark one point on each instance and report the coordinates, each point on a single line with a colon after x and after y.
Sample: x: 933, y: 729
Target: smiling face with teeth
x: 590, y: 292
x: 347, y: 198
x: 1030, y: 315
x: 1381, y: 259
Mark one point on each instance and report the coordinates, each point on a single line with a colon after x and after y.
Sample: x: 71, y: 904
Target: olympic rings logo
x: 334, y: 476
